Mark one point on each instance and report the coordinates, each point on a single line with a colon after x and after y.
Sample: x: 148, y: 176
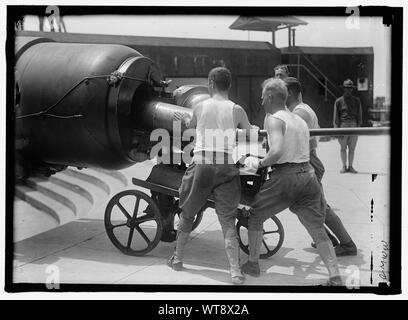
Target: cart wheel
x: 197, y: 219
x: 272, y: 238
x: 125, y: 213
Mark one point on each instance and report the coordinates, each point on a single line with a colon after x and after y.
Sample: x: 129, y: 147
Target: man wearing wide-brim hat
x: 347, y: 114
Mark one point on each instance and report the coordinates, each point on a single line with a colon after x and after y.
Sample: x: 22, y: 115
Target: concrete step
x: 87, y: 177
x: 70, y: 198
x: 119, y: 176
x: 58, y: 210
x: 65, y: 196
x: 114, y: 179
x: 29, y: 221
x: 96, y: 191
x: 75, y: 187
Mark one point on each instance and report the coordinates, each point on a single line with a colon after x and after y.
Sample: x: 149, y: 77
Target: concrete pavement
x: 83, y: 253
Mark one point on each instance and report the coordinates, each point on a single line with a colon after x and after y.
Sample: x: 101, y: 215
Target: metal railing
x: 321, y: 73
x: 344, y: 131
x: 327, y: 81
x: 316, y: 78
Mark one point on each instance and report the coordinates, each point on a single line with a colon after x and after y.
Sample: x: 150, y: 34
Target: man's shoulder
x: 199, y: 106
x: 339, y: 99
x: 237, y: 107
x: 280, y: 113
x: 304, y: 106
x: 298, y: 117
x: 238, y: 110
x: 306, y: 113
x: 275, y: 119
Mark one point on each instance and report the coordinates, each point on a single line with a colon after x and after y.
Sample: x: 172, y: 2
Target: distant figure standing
x: 347, y: 114
x: 281, y: 71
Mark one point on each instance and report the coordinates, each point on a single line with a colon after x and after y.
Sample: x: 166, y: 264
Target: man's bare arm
x: 193, y: 121
x: 242, y: 122
x: 275, y: 129
x: 188, y: 121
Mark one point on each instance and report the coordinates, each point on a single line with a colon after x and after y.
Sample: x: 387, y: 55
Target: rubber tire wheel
x: 154, y: 215
x: 270, y: 253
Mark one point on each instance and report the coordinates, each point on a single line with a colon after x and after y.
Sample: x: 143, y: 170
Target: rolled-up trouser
x: 222, y: 180
x: 296, y: 187
x: 332, y: 220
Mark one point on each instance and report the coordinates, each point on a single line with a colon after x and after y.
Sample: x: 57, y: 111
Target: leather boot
x: 176, y: 260
x: 328, y: 255
x: 251, y: 267
x: 232, y: 250
x: 346, y: 249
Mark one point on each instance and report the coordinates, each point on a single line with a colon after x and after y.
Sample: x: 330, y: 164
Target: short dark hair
x: 293, y: 85
x: 283, y: 67
x: 221, y: 77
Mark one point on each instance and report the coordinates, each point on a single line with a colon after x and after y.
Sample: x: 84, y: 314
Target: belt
x: 208, y: 157
x: 304, y: 166
x: 289, y: 165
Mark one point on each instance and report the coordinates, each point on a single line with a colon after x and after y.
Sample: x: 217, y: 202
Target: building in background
x: 188, y: 61
x: 379, y: 115
x: 322, y: 71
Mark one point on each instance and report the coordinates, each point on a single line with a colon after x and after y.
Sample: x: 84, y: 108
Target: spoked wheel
x: 197, y: 219
x: 273, y: 236
x: 133, y: 223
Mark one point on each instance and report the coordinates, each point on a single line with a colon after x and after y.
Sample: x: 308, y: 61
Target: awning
x: 266, y: 23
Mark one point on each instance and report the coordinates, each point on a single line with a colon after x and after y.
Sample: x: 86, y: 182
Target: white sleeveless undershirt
x: 314, y: 122
x: 295, y: 138
x: 215, y: 130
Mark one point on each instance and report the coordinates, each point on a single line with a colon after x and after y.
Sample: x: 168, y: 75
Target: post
x: 298, y: 66
x: 273, y: 38
x: 289, y: 41
x: 293, y: 37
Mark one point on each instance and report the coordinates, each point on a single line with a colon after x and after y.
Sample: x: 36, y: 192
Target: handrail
x: 314, y: 77
x: 356, y: 131
x: 344, y: 131
x: 318, y: 70
x: 321, y: 73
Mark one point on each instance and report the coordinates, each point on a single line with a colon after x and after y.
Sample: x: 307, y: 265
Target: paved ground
x: 83, y: 253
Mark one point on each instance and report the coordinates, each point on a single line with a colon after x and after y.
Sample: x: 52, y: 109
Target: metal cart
x: 153, y: 216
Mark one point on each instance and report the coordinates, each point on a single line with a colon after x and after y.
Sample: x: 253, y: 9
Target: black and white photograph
x: 201, y: 149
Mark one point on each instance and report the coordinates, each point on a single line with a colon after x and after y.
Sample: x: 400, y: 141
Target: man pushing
x: 213, y: 170
x: 292, y: 183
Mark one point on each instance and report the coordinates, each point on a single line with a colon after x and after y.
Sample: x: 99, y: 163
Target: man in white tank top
x: 292, y: 183
x: 213, y: 170
x: 346, y: 246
